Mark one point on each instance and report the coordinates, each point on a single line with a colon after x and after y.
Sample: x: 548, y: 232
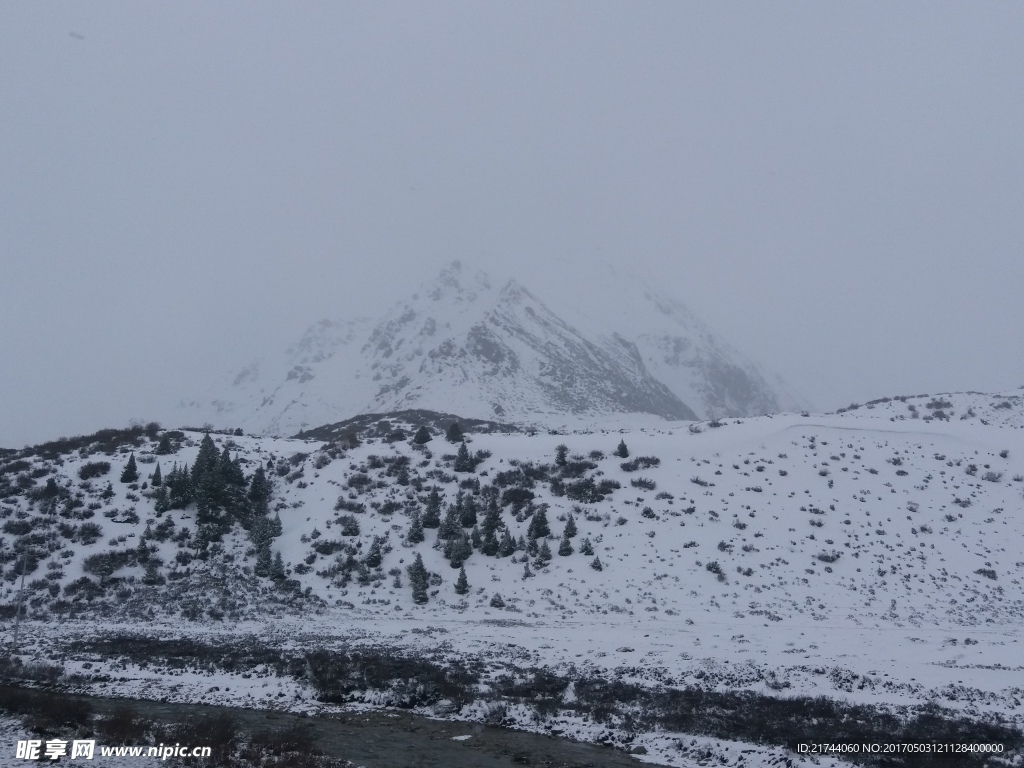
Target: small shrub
x: 643, y: 483
x: 349, y: 525
x: 93, y: 469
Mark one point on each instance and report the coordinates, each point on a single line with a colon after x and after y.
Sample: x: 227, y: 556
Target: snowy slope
x: 867, y: 555
x: 466, y: 345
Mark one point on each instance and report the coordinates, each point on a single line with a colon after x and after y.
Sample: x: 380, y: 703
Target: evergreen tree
x: 206, y: 460
x: 374, y: 557
x: 454, y: 434
x: 276, y: 529
x: 527, y: 573
x: 475, y: 538
x: 520, y: 544
x: 543, y: 556
x: 179, y: 487
x: 539, y: 525
x: 458, y: 550
x: 415, y: 533
x: 586, y: 548
x: 570, y: 528
x: 468, y: 514
x: 596, y: 564
x: 422, y: 436
x: 489, y: 544
x: 418, y: 580
x: 463, y: 461
x: 506, y: 546
x: 532, y: 548
x: 259, y: 493
x: 451, y: 526
x: 131, y: 471
x: 622, y: 451
x: 432, y: 515
x: 156, y: 478
x: 161, y: 502
x: 164, y: 446
x: 152, y: 577
x: 561, y: 452
x: 277, y: 569
x: 565, y: 548
x: 462, y: 584
x: 492, y: 518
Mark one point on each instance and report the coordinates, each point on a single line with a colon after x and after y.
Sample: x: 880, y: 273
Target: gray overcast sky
x: 835, y: 187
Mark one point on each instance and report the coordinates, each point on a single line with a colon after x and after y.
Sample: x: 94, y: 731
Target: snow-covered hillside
x: 874, y: 555
x: 467, y: 345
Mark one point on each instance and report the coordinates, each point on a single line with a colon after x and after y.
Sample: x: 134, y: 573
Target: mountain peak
x: 457, y: 283
x: 461, y: 345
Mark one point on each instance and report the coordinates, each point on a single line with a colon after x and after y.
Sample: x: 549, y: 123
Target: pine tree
x: 586, y: 548
x: 206, y: 460
x: 622, y: 451
x: 543, y: 556
x: 506, y: 546
x: 156, y: 478
x: 276, y: 529
x: 179, y: 487
x: 527, y: 573
x: 164, y: 446
x: 432, y: 515
x: 374, y: 557
x: 561, y: 452
x: 422, y: 436
x: 462, y: 583
x: 489, y: 544
x: 277, y: 570
x: 520, y: 544
x: 131, y: 471
x: 468, y: 514
x: 492, y: 518
x: 565, y: 548
x: 454, y: 434
x: 539, y: 525
x: 458, y: 550
x: 415, y: 533
x: 160, y: 501
x: 596, y: 564
x: 451, y: 526
x: 259, y: 493
x: 463, y: 461
x: 570, y: 528
x: 474, y: 536
x: 418, y: 580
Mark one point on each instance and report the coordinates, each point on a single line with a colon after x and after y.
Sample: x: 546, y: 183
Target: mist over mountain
x: 466, y: 344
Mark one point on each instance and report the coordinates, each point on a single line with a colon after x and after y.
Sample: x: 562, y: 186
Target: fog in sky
x: 836, y: 188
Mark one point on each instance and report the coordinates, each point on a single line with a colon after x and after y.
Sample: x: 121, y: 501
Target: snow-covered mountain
x: 466, y: 345
x: 870, y: 558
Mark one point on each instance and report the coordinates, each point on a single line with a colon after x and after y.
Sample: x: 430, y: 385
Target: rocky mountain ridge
x: 462, y: 344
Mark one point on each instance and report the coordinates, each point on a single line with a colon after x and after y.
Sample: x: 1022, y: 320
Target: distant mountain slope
x: 463, y: 345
